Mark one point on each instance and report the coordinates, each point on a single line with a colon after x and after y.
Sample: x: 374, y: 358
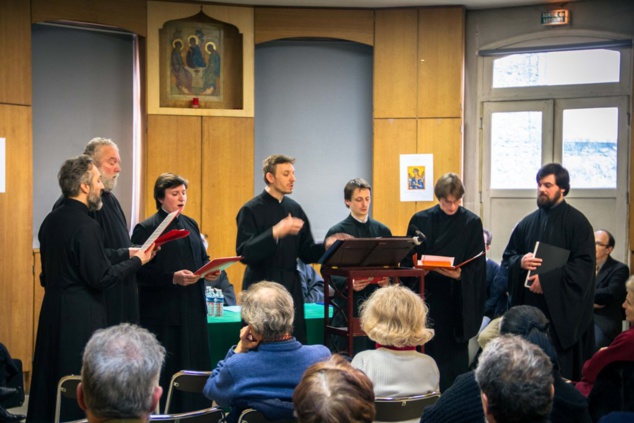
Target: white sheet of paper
x: 3, y: 165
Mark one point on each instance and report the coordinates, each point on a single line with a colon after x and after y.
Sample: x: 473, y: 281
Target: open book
x: 552, y: 258
x: 216, y: 265
x: 435, y: 262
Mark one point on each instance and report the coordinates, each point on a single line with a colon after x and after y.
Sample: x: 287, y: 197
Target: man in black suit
x: 610, y: 291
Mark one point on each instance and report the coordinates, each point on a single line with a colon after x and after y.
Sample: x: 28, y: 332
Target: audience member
x: 461, y: 402
x: 496, y: 301
x: 515, y: 380
x: 455, y: 296
x: 9, y: 370
x: 357, y: 195
x: 273, y: 231
x: 120, y: 374
x: 171, y: 296
x: 396, y: 319
x: 621, y: 349
x: 266, y: 365
x: 564, y: 294
x: 223, y: 284
x: 610, y: 291
x: 75, y: 271
x: 312, y: 283
x: 333, y: 391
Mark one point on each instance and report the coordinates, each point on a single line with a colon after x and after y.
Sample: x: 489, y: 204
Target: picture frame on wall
x: 416, y: 176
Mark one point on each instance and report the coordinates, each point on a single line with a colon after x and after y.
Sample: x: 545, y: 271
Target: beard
x: 543, y: 202
x: 109, y: 183
x: 94, y: 201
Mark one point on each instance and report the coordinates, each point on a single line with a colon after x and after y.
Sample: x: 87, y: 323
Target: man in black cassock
x: 357, y: 195
x: 273, y: 231
x: 75, y: 271
x: 122, y: 300
x: 566, y: 294
x: 455, y: 297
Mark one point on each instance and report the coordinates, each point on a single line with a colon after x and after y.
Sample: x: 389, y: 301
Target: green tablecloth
x: 224, y: 331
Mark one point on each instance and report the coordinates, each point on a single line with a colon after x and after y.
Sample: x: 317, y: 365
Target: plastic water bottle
x: 209, y: 297
x: 220, y: 302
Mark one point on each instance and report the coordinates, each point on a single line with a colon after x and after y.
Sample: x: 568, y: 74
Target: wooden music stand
x: 361, y: 258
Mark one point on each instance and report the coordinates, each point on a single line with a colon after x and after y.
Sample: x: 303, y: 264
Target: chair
x: 207, y: 415
x: 251, y: 415
x: 67, y: 388
x: 403, y: 408
x: 186, y: 381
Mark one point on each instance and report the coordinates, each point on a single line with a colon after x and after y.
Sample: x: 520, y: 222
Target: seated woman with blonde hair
x: 396, y: 319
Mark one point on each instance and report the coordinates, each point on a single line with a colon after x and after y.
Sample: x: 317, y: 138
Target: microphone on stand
x: 419, y: 238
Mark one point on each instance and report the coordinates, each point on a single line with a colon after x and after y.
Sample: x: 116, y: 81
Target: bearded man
x: 565, y: 294
x: 75, y: 271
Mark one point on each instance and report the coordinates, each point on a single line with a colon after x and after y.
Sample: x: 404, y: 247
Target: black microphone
x: 419, y: 237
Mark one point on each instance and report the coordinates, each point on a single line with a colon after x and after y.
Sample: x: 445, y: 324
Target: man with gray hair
x: 120, y: 373
x: 266, y: 365
x: 75, y: 271
x: 515, y: 380
x: 122, y: 300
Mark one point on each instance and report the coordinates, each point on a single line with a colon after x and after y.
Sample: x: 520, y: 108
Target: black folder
x: 367, y: 252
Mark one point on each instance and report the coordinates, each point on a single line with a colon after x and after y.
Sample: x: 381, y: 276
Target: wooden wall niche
x: 200, y: 57
x: 241, y: 18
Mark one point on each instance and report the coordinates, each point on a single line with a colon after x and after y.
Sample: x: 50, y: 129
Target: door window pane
x: 557, y: 68
x: 516, y: 149
x: 590, y: 146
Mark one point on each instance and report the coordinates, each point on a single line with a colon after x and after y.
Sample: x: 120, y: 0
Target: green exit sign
x: 555, y: 17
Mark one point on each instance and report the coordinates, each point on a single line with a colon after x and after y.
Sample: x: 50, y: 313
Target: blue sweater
x: 263, y: 379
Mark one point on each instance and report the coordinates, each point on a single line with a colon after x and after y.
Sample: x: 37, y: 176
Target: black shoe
x: 7, y: 392
x: 6, y: 417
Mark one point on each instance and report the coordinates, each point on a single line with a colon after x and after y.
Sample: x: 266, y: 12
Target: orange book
x: 442, y: 262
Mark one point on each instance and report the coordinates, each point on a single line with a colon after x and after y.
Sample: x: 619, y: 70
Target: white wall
x: 313, y: 101
x: 82, y: 88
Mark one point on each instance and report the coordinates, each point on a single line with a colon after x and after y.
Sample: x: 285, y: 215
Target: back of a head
x: 120, y: 371
x: 268, y: 308
x: 516, y: 378
x: 334, y: 391
x: 395, y: 316
x: 531, y: 324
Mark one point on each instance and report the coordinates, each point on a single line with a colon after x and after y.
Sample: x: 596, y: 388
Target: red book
x: 172, y: 235
x: 436, y: 262
x: 216, y: 265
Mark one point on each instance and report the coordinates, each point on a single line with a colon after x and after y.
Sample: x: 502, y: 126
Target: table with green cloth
x: 224, y: 331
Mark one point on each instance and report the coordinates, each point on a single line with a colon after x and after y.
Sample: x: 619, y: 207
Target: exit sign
x: 555, y: 17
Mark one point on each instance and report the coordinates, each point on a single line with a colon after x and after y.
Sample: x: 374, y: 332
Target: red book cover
x: 172, y: 235
x: 216, y: 265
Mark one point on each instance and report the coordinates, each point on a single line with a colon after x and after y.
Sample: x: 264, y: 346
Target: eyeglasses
x: 600, y: 244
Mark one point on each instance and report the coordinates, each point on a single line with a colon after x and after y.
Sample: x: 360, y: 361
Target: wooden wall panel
x: 15, y: 46
x: 127, y: 14
x: 443, y: 139
x: 441, y: 62
x: 392, y: 137
x: 395, y: 63
x: 174, y: 145
x: 16, y: 227
x: 227, y: 175
x: 279, y: 23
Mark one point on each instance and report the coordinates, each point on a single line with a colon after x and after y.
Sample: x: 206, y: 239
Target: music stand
x: 361, y: 258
